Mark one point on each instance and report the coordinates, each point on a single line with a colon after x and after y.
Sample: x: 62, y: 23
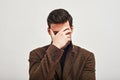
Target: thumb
x: 52, y: 33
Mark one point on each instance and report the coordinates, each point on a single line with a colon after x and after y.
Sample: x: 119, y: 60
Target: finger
x: 65, y: 28
x: 67, y: 32
x: 52, y: 33
x: 68, y: 36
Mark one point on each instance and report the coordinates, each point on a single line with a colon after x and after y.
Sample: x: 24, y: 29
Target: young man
x: 61, y: 60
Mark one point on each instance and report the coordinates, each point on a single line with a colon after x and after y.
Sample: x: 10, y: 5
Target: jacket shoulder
x: 83, y: 51
x: 44, y: 48
x: 39, y: 52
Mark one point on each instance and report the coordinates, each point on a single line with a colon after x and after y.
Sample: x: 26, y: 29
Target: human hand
x: 61, y: 38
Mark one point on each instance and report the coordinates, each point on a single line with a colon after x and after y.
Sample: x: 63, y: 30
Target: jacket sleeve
x: 44, y: 68
x: 89, y: 68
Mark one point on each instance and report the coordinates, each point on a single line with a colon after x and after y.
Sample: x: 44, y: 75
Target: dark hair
x: 59, y: 16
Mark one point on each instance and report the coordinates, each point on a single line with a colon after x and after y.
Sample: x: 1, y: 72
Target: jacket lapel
x: 58, y: 70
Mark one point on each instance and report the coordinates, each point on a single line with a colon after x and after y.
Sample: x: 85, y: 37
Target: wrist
x: 56, y: 45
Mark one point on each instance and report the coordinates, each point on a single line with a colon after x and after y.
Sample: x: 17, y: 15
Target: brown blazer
x: 44, y: 63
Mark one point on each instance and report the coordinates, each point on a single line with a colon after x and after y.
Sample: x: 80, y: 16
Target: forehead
x: 58, y: 27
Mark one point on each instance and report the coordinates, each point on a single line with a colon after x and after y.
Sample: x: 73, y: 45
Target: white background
x: 23, y: 27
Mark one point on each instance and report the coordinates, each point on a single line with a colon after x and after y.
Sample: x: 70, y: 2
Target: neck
x: 68, y: 45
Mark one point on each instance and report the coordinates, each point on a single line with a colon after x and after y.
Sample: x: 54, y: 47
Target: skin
x: 60, y: 34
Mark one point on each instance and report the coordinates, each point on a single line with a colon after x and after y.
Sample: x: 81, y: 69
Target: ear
x: 48, y: 31
x: 72, y: 29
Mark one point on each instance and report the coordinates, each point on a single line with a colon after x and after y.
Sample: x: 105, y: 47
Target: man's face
x: 57, y: 27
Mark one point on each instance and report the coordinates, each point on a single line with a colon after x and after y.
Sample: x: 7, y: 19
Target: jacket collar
x: 71, y: 47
